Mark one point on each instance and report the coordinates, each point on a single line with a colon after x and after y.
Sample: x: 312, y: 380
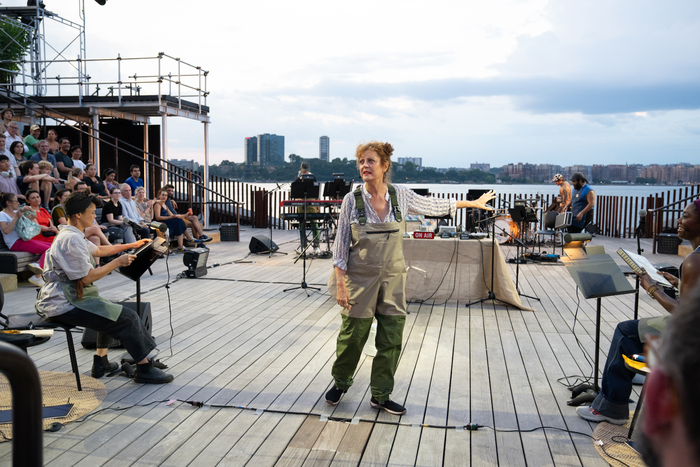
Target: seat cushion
x: 28, y: 321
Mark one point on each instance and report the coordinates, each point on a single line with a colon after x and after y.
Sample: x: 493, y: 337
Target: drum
x: 506, y: 225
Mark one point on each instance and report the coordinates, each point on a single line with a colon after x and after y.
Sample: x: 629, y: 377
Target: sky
x: 454, y: 82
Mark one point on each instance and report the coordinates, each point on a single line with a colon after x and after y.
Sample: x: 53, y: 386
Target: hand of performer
x: 671, y: 278
x: 645, y: 280
x: 485, y: 198
x: 139, y: 243
x: 342, y: 296
x: 125, y: 260
x: 579, y: 216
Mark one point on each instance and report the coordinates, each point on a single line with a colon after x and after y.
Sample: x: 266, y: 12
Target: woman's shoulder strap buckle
x: 394, y: 202
x: 360, y: 206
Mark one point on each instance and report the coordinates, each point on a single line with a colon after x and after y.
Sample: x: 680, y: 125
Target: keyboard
x: 311, y: 202
x: 310, y: 216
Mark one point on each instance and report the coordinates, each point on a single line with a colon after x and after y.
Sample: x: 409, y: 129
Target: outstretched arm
x: 479, y: 203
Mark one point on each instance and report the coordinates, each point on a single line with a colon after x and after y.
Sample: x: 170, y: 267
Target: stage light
x: 196, y: 261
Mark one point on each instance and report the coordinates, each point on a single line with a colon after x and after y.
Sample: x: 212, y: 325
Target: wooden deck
x: 239, y: 340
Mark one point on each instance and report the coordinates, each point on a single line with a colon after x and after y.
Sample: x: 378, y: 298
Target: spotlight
x: 196, y: 262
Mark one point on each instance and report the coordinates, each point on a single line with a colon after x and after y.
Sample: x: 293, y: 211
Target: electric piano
x: 311, y: 202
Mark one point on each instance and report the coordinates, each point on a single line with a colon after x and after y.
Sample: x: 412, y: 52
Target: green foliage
x: 642, y: 180
x: 14, y: 43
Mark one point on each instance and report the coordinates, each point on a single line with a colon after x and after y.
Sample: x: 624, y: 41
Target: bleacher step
x: 8, y: 282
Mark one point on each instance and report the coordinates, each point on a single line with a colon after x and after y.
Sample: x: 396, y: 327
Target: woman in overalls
x: 70, y: 297
x: 369, y: 279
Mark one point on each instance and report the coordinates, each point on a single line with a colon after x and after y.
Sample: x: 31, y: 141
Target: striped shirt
x: 409, y: 202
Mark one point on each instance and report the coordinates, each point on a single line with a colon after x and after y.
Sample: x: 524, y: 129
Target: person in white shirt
x: 14, y: 168
x: 12, y: 135
x: 130, y: 210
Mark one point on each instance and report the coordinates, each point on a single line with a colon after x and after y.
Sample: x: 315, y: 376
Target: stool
x: 641, y: 369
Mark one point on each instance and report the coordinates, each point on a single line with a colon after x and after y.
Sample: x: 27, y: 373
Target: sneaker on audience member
x: 37, y: 280
x: 587, y: 412
x: 35, y: 268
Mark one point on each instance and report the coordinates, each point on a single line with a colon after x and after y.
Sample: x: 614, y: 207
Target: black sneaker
x: 388, y: 405
x: 334, y: 395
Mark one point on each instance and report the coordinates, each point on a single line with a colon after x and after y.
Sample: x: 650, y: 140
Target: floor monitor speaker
x: 262, y: 244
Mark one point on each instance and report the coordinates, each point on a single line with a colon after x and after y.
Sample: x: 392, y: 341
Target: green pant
x: 351, y: 340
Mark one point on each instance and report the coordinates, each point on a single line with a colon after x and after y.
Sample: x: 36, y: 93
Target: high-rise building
x: 418, y: 161
x: 324, y: 148
x: 270, y: 150
x: 265, y: 150
x: 250, y: 150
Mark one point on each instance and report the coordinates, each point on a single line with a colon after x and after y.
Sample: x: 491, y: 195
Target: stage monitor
x: 563, y: 220
x: 196, y: 261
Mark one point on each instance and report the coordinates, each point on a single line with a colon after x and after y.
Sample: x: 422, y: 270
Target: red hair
x: 383, y: 150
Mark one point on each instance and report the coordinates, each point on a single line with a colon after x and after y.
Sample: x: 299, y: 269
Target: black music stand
x: 145, y: 257
x: 304, y: 187
x: 518, y: 214
x: 338, y: 188
x: 597, y: 276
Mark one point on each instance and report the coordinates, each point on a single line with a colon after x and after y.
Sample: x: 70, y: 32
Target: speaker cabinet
x: 90, y: 336
x: 262, y: 244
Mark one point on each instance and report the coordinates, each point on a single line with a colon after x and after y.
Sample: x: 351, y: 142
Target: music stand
x: 337, y: 189
x: 518, y: 213
x: 304, y: 187
x: 145, y: 257
x: 597, y: 276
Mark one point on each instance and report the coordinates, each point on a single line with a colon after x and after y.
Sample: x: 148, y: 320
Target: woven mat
x: 613, y: 451
x: 58, y: 389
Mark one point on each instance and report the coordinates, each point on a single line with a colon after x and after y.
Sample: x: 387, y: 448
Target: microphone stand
x: 303, y: 284
x: 491, y: 296
x: 269, y: 220
x: 641, y: 230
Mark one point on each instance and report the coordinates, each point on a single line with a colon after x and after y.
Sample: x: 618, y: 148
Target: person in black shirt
x: 112, y: 215
x: 97, y: 186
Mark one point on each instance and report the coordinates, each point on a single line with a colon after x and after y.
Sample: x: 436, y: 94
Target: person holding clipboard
x: 71, y: 297
x: 611, y: 404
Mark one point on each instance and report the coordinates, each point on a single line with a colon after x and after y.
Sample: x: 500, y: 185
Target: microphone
x: 642, y: 221
x: 159, y: 226
x: 129, y: 222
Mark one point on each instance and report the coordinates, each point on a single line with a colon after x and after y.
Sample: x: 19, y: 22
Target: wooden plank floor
x: 239, y: 340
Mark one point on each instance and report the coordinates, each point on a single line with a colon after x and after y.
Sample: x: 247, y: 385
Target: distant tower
x: 250, y: 150
x: 324, y: 146
x: 270, y: 150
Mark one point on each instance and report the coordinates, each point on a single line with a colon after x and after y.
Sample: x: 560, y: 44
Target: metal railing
x: 155, y: 75
x: 658, y: 214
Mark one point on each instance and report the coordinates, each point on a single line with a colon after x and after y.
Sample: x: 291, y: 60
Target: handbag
x: 26, y: 228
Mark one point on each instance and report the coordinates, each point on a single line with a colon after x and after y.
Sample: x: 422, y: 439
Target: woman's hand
x: 483, y: 199
x: 139, y: 243
x: 645, y: 280
x: 671, y: 278
x: 125, y: 260
x: 342, y: 296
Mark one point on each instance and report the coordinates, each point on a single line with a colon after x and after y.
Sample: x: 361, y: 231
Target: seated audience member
x: 97, y: 186
x: 32, y: 140
x: 7, y: 115
x: 8, y: 220
x: 77, y: 154
x: 14, y: 168
x: 611, y: 404
x: 64, y: 161
x: 70, y: 297
x: 130, y: 210
x: 12, y: 136
x: 112, y: 215
x: 46, y: 168
x: 134, y: 181
x: 17, y: 151
x: 144, y: 205
x: 58, y: 215
x: 32, y: 179
x: 43, y: 155
x: 81, y: 186
x: 670, y: 425
x: 191, y: 221
x: 43, y: 217
x: 174, y: 221
x: 8, y: 181
x: 76, y: 175
x: 51, y: 138
x: 111, y: 179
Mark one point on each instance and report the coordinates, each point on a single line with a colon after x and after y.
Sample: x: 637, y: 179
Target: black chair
x: 29, y: 321
x: 550, y: 219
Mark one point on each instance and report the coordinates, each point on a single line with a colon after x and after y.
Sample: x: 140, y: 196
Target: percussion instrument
x: 506, y: 224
